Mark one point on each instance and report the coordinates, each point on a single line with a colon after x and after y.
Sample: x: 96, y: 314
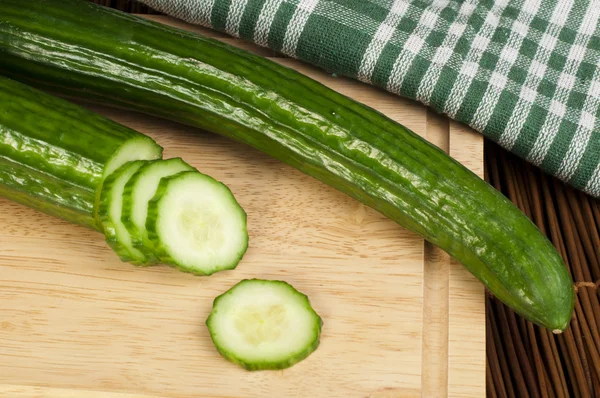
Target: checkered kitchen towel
x: 526, y: 74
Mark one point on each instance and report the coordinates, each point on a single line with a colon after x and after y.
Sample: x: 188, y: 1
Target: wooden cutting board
x: 401, y: 319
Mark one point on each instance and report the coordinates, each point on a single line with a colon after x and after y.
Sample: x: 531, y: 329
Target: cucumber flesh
x: 197, y: 224
x: 264, y: 324
x: 137, y: 193
x: 138, y: 148
x: 109, y: 213
x: 205, y: 83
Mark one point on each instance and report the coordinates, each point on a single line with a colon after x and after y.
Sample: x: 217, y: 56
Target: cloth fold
x: 526, y: 74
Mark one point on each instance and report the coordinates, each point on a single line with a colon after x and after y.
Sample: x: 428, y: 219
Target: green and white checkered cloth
x: 526, y: 74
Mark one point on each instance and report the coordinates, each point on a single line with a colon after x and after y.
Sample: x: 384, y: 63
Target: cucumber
x: 109, y: 213
x: 55, y: 154
x: 264, y: 324
x: 138, y: 191
x: 196, y: 224
x: 79, y: 49
x: 45, y: 193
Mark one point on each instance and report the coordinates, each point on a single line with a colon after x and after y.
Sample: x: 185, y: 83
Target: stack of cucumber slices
x: 165, y: 211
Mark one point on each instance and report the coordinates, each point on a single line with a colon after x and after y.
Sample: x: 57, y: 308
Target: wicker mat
x: 525, y: 360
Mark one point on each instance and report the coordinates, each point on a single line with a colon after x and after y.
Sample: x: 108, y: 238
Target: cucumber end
x: 558, y: 306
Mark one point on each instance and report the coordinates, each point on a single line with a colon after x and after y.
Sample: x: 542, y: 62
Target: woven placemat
x: 524, y: 360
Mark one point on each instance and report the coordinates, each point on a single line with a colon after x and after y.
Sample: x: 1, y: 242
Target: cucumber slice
x: 197, y: 224
x: 137, y: 193
x: 109, y: 213
x: 264, y: 324
x: 139, y: 148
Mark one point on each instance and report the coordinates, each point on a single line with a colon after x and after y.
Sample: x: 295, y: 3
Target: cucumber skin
x: 152, y: 219
x: 107, y: 225
x: 87, y: 51
x: 145, y: 245
x: 84, y: 141
x: 64, y: 148
x: 47, y: 194
x: 294, y: 359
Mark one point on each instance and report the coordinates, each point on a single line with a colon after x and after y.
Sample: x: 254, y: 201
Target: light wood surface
x: 401, y: 319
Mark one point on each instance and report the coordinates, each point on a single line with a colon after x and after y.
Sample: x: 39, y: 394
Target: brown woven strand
x: 544, y: 387
x: 581, y: 273
x: 552, y: 361
x: 495, y: 386
x: 578, y: 322
x: 586, y: 234
x: 511, y: 352
x: 503, y: 369
x: 595, y: 205
x: 592, y: 232
x: 574, y: 386
x: 489, y: 384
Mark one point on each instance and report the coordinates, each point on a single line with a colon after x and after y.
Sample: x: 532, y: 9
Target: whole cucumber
x: 82, y: 50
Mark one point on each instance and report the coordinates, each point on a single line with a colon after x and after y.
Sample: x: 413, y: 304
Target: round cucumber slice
x: 196, y: 224
x: 264, y: 324
x: 138, y: 191
x: 109, y: 213
x: 138, y: 148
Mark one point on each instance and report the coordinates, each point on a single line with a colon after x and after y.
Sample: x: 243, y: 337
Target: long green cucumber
x: 59, y: 152
x: 82, y: 50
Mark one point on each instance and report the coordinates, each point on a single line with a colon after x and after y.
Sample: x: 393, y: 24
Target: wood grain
x: 435, y: 293
x: 466, y: 296
x: 400, y: 318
